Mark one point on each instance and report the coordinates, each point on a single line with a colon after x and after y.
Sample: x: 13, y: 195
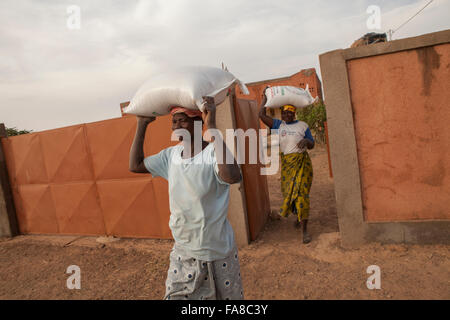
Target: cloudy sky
x: 54, y: 75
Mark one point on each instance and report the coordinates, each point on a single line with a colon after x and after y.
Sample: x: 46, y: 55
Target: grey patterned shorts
x: 192, y: 279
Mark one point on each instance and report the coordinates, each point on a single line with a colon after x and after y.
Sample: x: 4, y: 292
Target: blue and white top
x: 290, y: 135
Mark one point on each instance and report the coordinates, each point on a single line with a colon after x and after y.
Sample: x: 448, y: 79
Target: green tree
x: 15, y: 132
x: 314, y: 115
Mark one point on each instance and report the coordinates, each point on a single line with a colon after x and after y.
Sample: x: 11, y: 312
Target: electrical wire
x: 412, y: 16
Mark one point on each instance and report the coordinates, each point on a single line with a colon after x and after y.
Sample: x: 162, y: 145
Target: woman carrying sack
x: 204, y: 263
x: 296, y: 166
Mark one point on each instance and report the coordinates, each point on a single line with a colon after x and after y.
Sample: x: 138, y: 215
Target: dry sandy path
x: 275, y: 266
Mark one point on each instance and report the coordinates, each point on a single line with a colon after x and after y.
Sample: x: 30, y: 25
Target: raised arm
x: 268, y: 121
x: 230, y: 173
x: 137, y: 148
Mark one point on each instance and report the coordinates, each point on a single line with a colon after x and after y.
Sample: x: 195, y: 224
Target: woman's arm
x: 136, y: 164
x: 268, y: 121
x: 229, y: 173
x: 307, y: 141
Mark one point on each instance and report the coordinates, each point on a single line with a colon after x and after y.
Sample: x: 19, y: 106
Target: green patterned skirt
x: 296, y: 181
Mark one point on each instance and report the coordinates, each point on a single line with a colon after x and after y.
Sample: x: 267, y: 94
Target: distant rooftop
x: 306, y: 72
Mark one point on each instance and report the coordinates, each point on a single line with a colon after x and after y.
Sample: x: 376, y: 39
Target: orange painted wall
x: 255, y: 184
x: 401, y: 105
x: 75, y: 180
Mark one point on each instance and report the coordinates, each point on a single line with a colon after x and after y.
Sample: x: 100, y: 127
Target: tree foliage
x: 314, y: 115
x: 15, y: 132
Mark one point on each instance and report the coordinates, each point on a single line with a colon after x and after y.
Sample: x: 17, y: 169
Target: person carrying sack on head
x: 204, y: 260
x: 296, y: 166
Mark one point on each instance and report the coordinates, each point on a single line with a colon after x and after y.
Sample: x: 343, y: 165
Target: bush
x: 15, y: 132
x: 315, y: 115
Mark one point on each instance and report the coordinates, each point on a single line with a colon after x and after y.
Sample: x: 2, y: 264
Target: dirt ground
x: 275, y: 266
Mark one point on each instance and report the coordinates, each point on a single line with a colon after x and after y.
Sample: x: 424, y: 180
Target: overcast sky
x: 53, y: 76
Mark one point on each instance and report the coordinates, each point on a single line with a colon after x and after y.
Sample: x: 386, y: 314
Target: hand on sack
x: 209, y: 112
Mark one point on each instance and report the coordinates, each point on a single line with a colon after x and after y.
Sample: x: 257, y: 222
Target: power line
x: 392, y: 31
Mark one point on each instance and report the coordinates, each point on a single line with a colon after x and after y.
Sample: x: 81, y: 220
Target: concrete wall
x: 75, y: 180
x: 388, y: 114
x: 402, y: 133
x: 8, y: 220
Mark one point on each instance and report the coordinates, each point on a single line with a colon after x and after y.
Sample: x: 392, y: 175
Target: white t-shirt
x: 198, y: 202
x: 290, y: 135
